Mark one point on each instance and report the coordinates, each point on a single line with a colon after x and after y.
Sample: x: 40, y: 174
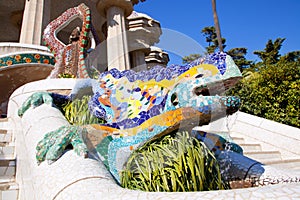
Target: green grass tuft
x: 77, y: 112
x: 173, y: 163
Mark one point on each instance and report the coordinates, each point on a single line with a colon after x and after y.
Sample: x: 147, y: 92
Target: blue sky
x: 247, y: 24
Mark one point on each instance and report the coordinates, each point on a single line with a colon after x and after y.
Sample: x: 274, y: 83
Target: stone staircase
x: 8, y: 186
x: 254, y: 150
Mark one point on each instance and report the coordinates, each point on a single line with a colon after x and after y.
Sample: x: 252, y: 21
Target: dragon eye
x: 174, y: 99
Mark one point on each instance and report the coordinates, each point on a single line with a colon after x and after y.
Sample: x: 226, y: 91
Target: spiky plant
x: 173, y: 163
x: 77, y: 112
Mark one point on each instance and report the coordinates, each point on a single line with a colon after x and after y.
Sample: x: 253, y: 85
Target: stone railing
x: 271, y: 135
x: 9, y: 47
x: 73, y: 177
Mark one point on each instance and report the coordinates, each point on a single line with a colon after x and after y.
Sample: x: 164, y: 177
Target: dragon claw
x: 53, y: 145
x: 35, y: 100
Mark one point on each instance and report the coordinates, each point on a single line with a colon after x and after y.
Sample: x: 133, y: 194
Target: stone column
x: 138, y: 59
x: 157, y: 57
x: 36, y: 16
x: 117, y: 43
x: 144, y: 32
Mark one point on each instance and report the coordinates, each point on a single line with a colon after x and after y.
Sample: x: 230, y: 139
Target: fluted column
x: 36, y: 16
x: 117, y: 43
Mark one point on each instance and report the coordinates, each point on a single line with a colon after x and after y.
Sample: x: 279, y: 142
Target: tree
x: 190, y: 58
x: 270, y: 55
x: 211, y: 38
x: 217, y: 25
x: 273, y: 91
x: 238, y: 55
x: 291, y: 57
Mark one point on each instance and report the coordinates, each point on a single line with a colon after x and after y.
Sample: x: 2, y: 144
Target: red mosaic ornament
x: 58, y: 48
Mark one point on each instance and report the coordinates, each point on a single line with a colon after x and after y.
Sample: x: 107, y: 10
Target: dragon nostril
x: 199, y: 75
x: 174, y: 99
x: 201, y: 91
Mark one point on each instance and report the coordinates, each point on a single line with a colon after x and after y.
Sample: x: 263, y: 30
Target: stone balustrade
x: 9, y: 47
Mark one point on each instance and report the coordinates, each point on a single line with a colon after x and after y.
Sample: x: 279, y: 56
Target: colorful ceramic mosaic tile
x: 57, y: 47
x: 54, y: 144
x: 26, y: 58
x: 216, y: 142
x: 127, y: 99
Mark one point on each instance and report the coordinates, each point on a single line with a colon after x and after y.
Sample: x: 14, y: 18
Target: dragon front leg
x: 35, y: 100
x: 52, y: 146
x: 39, y: 98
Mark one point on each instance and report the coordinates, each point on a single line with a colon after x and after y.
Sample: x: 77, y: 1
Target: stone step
x: 5, y: 137
x: 8, y: 187
x: 291, y: 164
x: 264, y: 156
x: 3, y: 123
x: 7, y: 169
x: 7, y: 151
x: 11, y: 194
x: 4, y: 181
x: 9, y: 191
x: 250, y: 147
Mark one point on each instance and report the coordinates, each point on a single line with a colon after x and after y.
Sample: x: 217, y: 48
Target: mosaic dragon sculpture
x: 139, y: 106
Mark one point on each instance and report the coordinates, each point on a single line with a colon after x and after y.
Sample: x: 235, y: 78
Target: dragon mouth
x: 201, y: 91
x: 216, y: 88
x: 209, y: 98
x: 231, y: 103
x: 215, y: 93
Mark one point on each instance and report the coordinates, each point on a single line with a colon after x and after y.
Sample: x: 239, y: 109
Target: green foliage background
x: 273, y: 92
x: 271, y: 87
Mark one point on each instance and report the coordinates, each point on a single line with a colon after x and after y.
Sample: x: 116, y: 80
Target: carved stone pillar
x: 144, y: 32
x: 117, y: 43
x: 157, y: 57
x: 35, y: 18
x: 138, y: 59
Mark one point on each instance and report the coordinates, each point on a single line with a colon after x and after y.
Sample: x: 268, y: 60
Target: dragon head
x: 127, y: 99
x: 203, y: 89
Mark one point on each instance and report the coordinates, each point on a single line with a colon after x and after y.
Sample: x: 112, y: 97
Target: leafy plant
x: 272, y: 93
x: 77, y: 112
x: 172, y: 163
x: 211, y: 37
x: 271, y: 88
